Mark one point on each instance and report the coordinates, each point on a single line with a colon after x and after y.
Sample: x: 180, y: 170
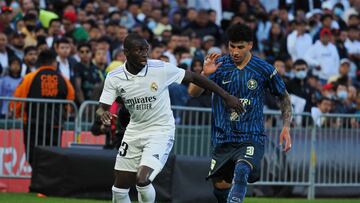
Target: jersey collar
x: 142, y: 73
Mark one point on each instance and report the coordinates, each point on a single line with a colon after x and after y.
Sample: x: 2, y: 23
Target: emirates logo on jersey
x: 154, y: 87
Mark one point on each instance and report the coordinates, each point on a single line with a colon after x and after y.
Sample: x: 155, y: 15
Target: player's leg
x: 238, y: 189
x: 127, y: 162
x: 221, y: 171
x: 123, y: 181
x: 146, y: 191
x: 221, y: 189
x: 155, y: 154
x: 248, y: 159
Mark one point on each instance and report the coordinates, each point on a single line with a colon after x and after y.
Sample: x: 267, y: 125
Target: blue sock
x: 221, y: 194
x: 238, y: 189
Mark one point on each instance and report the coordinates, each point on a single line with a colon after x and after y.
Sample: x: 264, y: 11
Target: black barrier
x: 88, y: 173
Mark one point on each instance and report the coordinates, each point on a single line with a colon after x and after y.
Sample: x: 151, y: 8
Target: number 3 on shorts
x: 123, y: 148
x: 250, y: 150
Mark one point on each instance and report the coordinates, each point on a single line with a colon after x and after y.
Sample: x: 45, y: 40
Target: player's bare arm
x: 104, y: 114
x: 209, y: 67
x: 286, y: 112
x: 199, y: 80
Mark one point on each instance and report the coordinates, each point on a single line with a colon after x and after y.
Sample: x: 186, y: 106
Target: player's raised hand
x: 285, y: 135
x: 209, y: 64
x: 234, y: 103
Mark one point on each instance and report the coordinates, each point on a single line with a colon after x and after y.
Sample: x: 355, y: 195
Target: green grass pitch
x: 32, y: 198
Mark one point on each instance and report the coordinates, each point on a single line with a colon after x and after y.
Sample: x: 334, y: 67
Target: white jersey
x: 145, y: 95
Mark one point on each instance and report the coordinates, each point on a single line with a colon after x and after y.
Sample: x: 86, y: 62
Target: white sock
x: 120, y: 195
x: 146, y: 194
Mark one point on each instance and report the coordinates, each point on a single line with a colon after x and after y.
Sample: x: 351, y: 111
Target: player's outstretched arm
x: 209, y: 67
x: 201, y: 81
x: 285, y: 107
x: 104, y: 114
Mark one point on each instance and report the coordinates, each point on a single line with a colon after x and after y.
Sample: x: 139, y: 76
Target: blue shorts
x: 226, y: 155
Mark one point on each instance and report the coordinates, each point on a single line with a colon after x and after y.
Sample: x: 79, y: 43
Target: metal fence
x: 29, y: 123
x: 324, y: 153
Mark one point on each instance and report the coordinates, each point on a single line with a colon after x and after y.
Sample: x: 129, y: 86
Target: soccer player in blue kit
x: 238, y: 140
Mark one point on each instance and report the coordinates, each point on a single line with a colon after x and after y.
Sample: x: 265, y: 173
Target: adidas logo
x: 122, y: 90
x: 156, y: 156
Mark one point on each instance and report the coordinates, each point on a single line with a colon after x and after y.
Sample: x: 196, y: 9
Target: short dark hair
x: 300, y: 62
x: 239, y: 32
x: 46, y: 57
x: 130, y: 39
x: 62, y: 40
x: 28, y: 49
x: 83, y: 44
x: 323, y: 17
x: 54, y: 20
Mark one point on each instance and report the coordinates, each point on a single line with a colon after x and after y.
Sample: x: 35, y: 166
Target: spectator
x: 317, y: 113
x: 171, y: 45
x: 17, y: 44
x: 340, y: 43
x: 352, y: 44
x: 300, y: 87
x: 29, y: 29
x: 343, y: 76
x: 275, y: 44
x: 5, y: 20
x: 45, y: 82
x: 323, y: 56
x: 29, y: 61
x: 100, y: 63
x: 5, y: 54
x: 65, y: 64
x: 87, y: 76
x: 157, y: 50
x: 343, y: 104
x: 298, y: 41
x: 9, y: 82
x: 202, y: 26
x: 54, y: 32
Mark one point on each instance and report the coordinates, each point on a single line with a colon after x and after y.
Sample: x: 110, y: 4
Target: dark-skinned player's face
x: 238, y: 50
x: 138, y: 53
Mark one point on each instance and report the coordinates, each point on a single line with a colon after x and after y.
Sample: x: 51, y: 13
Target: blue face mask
x: 186, y: 61
x: 300, y: 74
x: 338, y: 11
x: 342, y: 95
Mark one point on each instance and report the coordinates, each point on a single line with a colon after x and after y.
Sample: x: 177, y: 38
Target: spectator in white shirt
x: 352, y: 44
x: 323, y: 56
x: 323, y: 107
x: 298, y: 41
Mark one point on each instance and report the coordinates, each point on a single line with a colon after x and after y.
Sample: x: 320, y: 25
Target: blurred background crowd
x: 314, y: 44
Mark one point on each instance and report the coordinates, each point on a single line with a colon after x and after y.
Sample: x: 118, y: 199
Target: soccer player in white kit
x: 143, y: 85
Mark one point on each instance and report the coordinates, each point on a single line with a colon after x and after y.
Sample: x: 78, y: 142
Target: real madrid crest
x: 252, y: 84
x: 154, y: 87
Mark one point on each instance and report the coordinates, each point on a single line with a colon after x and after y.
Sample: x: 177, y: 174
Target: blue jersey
x: 248, y: 84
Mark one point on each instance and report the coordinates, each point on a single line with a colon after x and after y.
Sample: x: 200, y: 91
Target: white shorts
x: 149, y: 149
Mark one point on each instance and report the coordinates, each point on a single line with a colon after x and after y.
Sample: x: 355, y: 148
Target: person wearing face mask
x: 342, y: 102
x: 338, y: 10
x: 299, y: 85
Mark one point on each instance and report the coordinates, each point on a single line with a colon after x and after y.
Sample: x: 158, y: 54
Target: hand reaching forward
x: 285, y: 135
x: 209, y: 64
x: 234, y: 103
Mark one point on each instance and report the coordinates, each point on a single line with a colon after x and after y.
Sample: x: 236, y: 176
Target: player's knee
x: 221, y: 184
x: 142, y: 181
x: 241, y: 172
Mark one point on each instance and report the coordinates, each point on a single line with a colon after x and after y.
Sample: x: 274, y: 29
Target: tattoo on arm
x: 285, y: 107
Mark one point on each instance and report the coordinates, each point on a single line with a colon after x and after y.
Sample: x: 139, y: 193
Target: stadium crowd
x: 315, y: 48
